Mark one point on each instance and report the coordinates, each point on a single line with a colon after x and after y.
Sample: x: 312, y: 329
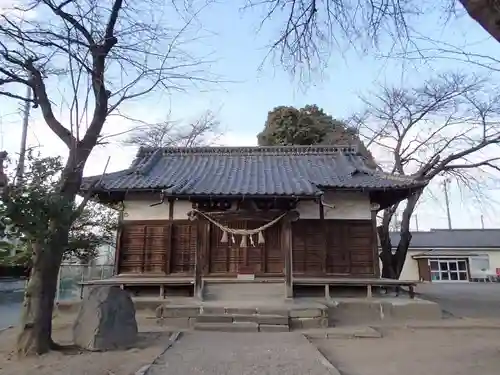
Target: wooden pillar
x: 286, y: 246
x: 326, y: 246
x: 198, y: 264
x: 119, y: 235
x: 376, y: 261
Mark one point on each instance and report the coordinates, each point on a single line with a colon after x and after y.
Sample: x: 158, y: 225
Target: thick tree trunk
x: 393, y: 263
x: 386, y: 255
x: 405, y: 234
x: 35, y: 336
x: 486, y: 13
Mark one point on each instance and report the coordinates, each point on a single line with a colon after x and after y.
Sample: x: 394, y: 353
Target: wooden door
x: 231, y: 258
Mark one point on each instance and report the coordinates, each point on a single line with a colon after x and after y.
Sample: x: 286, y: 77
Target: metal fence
x: 71, y: 275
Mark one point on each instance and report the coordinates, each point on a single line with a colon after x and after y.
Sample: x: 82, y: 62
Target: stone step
x: 227, y: 327
x: 248, y: 291
x: 254, y: 318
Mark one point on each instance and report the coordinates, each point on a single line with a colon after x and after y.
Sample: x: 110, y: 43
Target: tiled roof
x: 279, y: 170
x: 454, y: 239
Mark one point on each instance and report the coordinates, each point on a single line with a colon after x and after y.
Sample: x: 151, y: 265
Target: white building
x: 457, y: 255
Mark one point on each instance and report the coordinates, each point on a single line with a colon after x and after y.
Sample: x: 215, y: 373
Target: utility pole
x: 24, y: 137
x: 416, y: 221
x: 482, y: 222
x: 447, y: 202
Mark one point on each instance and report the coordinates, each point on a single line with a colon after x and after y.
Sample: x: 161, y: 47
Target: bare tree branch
x: 203, y: 131
x: 447, y: 126
x: 311, y: 29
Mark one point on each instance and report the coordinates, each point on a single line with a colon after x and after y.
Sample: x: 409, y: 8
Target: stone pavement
x: 220, y: 353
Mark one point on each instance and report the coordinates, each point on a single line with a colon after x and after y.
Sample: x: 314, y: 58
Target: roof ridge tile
x: 257, y: 150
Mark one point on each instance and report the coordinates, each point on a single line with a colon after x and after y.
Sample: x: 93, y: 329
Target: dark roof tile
x: 455, y: 239
x: 280, y: 170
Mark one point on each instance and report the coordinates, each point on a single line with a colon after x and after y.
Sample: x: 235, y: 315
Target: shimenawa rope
x: 244, y: 233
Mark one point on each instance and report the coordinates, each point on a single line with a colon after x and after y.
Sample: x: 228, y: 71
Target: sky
x: 249, y: 88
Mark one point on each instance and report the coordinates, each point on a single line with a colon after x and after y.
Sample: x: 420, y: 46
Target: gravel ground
x: 426, y: 351
x: 150, y: 345
x: 219, y: 353
x: 472, y: 300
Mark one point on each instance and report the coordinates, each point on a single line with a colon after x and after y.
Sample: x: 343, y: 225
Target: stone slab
x: 414, y: 310
x: 183, y: 322
x: 214, y: 310
x: 342, y: 333
x: 228, y: 327
x: 241, y: 310
x: 305, y: 323
x: 212, y: 318
x: 261, y: 319
x: 171, y: 311
x: 306, y: 313
x: 273, y: 328
x: 272, y: 310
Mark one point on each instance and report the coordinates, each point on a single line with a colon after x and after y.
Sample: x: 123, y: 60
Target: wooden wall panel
x: 165, y: 247
x: 349, y: 248
x: 308, y: 244
x: 273, y: 255
x: 132, y: 249
x: 183, y: 255
x: 338, y: 259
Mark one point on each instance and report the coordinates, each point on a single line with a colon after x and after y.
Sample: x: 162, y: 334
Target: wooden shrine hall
x: 286, y: 215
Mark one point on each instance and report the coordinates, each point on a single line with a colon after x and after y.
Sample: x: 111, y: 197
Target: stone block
x: 368, y: 333
x: 245, y: 318
x: 307, y: 323
x: 106, y: 320
x: 170, y: 311
x: 273, y: 328
x: 306, y: 313
x: 227, y: 327
x: 413, y: 310
x: 210, y: 318
x: 273, y: 311
x: 272, y: 319
x: 359, y: 311
x: 175, y: 322
x: 213, y: 310
x: 241, y: 310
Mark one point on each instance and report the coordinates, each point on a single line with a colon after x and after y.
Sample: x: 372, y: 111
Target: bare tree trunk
x: 35, y: 336
x: 388, y: 270
x: 486, y: 13
x: 392, y: 264
x: 405, y: 234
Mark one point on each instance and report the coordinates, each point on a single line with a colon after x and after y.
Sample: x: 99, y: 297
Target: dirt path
x: 425, y: 351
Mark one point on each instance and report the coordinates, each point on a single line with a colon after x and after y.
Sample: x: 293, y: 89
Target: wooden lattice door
x: 258, y: 259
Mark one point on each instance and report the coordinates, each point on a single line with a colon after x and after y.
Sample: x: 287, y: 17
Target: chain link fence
x: 72, y: 275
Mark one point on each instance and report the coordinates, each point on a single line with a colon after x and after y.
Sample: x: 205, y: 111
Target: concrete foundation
x: 260, y: 306
x: 361, y: 311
